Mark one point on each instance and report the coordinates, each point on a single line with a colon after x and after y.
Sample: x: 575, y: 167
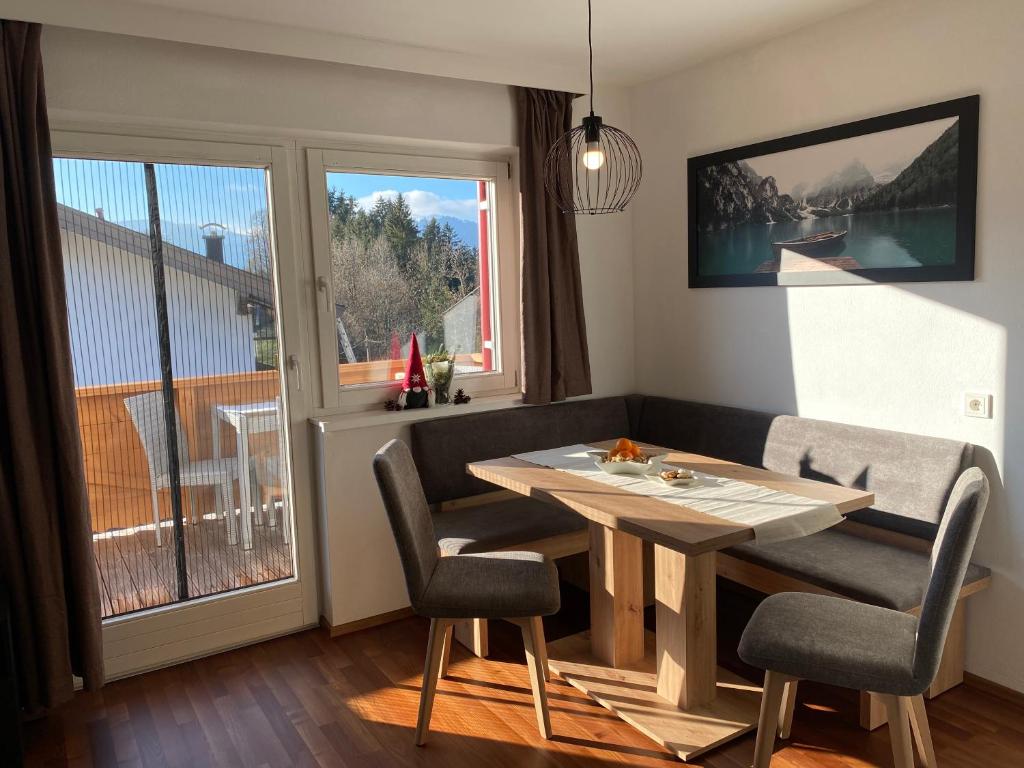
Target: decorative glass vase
x: 440, y: 372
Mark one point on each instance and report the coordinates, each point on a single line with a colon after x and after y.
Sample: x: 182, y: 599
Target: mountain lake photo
x: 881, y: 200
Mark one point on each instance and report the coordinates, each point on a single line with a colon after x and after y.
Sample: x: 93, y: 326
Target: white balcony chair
x: 147, y: 413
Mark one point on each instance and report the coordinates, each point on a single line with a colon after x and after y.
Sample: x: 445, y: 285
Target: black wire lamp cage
x: 595, y: 167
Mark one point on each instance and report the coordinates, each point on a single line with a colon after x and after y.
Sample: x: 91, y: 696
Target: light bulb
x: 593, y: 157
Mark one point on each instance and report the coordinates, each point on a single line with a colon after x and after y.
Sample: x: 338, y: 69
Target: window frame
x: 504, y: 256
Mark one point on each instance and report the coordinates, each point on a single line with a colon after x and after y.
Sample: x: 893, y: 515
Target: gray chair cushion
x: 834, y: 641
x: 491, y: 586
x: 858, y: 568
x: 442, y: 447
x: 501, y: 525
x: 408, y: 515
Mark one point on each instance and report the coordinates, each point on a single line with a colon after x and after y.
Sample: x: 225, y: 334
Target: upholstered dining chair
x: 796, y: 636
x: 147, y: 414
x: 520, y: 587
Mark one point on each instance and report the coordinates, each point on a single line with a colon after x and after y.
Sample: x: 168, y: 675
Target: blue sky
x: 193, y: 195
x: 426, y: 196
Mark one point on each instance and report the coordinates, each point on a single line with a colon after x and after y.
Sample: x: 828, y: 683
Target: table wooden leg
x: 616, y: 596
x: 684, y: 587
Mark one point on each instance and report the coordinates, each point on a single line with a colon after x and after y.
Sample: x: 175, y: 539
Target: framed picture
x: 884, y: 200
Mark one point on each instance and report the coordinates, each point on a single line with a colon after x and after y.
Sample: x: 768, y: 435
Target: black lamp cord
x: 590, y: 45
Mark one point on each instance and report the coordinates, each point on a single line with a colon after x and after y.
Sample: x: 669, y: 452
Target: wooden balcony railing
x: 115, y: 464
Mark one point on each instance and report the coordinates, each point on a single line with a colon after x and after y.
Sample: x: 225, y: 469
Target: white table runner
x: 774, y: 515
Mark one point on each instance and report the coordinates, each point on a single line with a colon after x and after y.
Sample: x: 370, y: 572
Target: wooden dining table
x: 667, y: 684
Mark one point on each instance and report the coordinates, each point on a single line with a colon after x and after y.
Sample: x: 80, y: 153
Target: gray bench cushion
x: 910, y: 475
x: 501, y: 525
x: 734, y: 434
x: 442, y: 447
x: 852, y: 566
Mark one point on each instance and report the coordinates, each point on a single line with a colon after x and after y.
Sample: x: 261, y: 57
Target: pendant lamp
x: 595, y: 167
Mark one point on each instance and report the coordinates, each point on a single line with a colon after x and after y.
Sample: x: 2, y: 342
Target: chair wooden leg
x: 431, y: 670
x: 898, y: 709
x: 536, y: 660
x: 786, y: 712
x: 768, y: 721
x: 542, y: 647
x: 446, y: 651
x: 922, y: 733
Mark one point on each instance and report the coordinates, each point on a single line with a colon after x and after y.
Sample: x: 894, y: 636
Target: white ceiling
x: 536, y: 42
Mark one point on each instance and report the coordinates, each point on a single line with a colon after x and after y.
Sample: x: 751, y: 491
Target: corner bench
x: 877, y: 556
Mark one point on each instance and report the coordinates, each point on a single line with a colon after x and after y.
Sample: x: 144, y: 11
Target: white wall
x: 892, y: 356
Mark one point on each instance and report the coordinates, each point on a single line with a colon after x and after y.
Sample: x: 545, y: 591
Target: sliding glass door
x: 175, y: 338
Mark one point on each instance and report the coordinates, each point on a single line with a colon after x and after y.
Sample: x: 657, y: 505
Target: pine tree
x: 391, y: 278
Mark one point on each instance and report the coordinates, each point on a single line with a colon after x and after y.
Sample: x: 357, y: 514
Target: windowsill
x: 376, y: 418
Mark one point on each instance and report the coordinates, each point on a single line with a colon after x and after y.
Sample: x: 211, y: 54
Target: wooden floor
x: 306, y: 700
x: 134, y: 573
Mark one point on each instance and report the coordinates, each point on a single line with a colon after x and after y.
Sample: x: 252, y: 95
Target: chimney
x: 213, y: 236
x: 99, y: 214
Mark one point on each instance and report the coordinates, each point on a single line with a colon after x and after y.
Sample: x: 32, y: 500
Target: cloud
x: 425, y: 204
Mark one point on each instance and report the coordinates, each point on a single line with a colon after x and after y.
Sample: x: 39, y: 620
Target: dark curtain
x: 46, y: 560
x: 556, y: 361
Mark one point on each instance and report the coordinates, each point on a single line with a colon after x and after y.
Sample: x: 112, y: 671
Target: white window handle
x: 293, y: 365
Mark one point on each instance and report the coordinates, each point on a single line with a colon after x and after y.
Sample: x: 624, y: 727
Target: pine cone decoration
x: 461, y: 398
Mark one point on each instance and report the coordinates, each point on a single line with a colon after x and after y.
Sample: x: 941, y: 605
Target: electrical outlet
x: 977, y: 405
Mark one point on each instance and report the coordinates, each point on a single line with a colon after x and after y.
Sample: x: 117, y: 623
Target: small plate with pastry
x: 678, y: 477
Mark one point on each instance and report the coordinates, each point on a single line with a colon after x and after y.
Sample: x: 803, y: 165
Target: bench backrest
x: 442, y: 447
x: 910, y: 475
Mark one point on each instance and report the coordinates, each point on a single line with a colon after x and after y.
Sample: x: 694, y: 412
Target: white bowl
x: 653, y: 465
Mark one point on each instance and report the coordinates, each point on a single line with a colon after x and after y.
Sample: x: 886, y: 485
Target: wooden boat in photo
x: 812, y: 242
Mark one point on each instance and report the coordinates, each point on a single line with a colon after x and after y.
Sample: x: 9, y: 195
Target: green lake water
x: 915, y: 238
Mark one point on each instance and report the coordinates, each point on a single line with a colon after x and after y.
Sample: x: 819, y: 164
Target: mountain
x: 930, y: 180
x: 465, y: 229
x: 842, y: 190
x: 735, y: 194
x: 770, y: 206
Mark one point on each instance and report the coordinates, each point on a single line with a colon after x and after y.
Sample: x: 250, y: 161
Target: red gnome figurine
x: 415, y: 390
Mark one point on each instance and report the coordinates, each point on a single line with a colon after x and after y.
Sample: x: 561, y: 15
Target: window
x: 405, y: 247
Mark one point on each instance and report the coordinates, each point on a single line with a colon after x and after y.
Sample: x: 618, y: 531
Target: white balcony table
x: 246, y: 419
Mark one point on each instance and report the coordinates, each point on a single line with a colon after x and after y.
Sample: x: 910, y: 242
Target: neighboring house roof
x: 248, y: 284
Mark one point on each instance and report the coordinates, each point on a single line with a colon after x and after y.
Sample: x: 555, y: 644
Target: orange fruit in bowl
x: 624, y: 447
